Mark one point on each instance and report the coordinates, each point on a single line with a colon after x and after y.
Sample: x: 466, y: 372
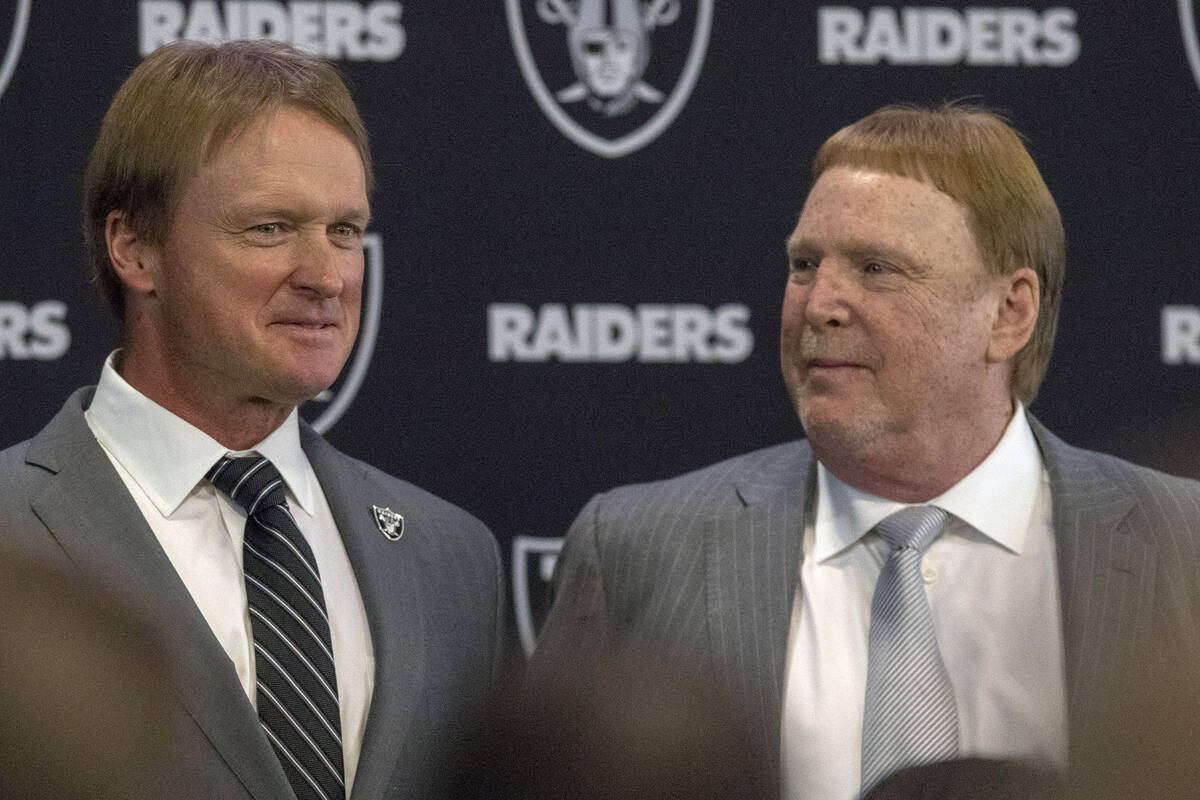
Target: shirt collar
x: 167, y: 456
x: 996, y: 498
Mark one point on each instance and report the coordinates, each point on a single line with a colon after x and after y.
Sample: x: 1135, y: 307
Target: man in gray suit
x: 922, y: 294
x: 333, y: 626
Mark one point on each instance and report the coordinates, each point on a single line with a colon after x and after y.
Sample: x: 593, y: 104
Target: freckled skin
x: 887, y: 321
x: 251, y: 305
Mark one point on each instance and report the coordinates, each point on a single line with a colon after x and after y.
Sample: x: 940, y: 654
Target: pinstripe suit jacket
x: 433, y: 599
x: 701, y: 570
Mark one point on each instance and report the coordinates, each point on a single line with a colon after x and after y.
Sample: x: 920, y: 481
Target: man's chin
x: 837, y: 429
x: 295, y: 390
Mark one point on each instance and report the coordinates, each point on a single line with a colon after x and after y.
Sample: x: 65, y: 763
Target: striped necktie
x: 296, y: 685
x: 909, y: 715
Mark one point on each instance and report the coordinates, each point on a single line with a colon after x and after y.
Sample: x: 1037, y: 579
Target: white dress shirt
x: 162, y: 459
x: 992, y: 583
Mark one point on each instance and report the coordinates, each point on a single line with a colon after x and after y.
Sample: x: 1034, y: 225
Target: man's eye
x: 266, y: 227
x: 875, y: 268
x: 799, y: 266
x: 345, y: 229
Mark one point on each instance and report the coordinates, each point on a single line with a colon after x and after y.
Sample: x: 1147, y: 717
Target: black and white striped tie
x: 909, y: 716
x: 293, y: 656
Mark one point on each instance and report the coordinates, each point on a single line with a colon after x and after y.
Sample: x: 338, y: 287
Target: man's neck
x: 914, y: 469
x: 238, y: 423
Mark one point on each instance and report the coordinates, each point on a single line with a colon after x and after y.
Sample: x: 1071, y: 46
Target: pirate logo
x: 533, y: 560
x: 324, y: 410
x: 614, y: 92
x: 1191, y: 35
x: 15, y: 40
x: 390, y: 524
x: 609, y: 42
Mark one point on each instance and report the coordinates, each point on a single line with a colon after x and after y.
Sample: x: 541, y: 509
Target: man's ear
x: 133, y: 258
x: 1017, y: 314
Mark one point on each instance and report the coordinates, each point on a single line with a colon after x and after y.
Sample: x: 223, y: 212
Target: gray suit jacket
x: 701, y: 570
x: 433, y: 600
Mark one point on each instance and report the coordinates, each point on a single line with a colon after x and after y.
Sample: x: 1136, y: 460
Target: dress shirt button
x: 929, y: 573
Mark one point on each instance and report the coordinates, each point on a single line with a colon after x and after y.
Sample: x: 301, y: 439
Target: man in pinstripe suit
x: 923, y: 288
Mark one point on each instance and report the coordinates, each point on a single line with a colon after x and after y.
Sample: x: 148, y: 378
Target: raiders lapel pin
x: 389, y: 522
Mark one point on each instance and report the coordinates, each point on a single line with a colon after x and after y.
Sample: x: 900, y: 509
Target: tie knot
x: 914, y: 527
x: 252, y: 482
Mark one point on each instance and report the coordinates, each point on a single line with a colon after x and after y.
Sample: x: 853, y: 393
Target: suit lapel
x: 87, y: 509
x: 1106, y: 578
x: 391, y: 593
x: 753, y: 559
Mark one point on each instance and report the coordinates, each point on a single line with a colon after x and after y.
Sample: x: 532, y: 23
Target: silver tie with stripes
x: 293, y: 656
x: 909, y: 716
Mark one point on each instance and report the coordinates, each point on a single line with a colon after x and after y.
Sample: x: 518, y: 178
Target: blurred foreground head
x: 614, y: 728
x: 81, y: 690
x: 1148, y: 746
x: 972, y: 779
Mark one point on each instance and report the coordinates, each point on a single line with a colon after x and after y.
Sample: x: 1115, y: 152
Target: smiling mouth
x: 832, y: 363
x: 309, y: 326
x: 313, y: 333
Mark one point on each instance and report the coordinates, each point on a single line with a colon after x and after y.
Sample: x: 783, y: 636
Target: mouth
x: 307, y: 324
x: 311, y: 332
x: 830, y: 364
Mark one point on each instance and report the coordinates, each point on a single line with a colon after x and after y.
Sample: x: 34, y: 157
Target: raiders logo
x: 323, y: 411
x: 390, y: 524
x: 611, y: 75
x: 1191, y: 36
x: 14, y: 36
x: 533, y: 560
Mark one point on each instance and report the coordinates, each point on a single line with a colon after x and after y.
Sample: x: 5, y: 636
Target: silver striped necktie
x: 909, y: 716
x: 293, y: 656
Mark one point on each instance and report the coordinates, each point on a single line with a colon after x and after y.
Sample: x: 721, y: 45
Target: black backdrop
x: 570, y: 300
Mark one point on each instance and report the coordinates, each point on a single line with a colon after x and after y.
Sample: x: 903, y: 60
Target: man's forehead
x: 870, y: 213
x: 887, y: 194
x: 254, y: 136
x: 281, y: 137
x: 270, y: 170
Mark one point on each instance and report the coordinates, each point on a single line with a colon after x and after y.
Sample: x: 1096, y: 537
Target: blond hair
x: 975, y: 157
x: 175, y: 112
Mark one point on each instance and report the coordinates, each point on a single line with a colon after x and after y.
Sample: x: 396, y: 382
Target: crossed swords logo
x: 609, y: 51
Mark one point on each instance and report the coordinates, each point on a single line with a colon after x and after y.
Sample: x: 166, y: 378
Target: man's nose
x: 827, y: 303
x: 318, y: 267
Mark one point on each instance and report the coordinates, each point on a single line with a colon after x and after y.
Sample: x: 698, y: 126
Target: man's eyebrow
x: 794, y: 245
x: 859, y: 250
x: 359, y: 215
x: 855, y: 249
